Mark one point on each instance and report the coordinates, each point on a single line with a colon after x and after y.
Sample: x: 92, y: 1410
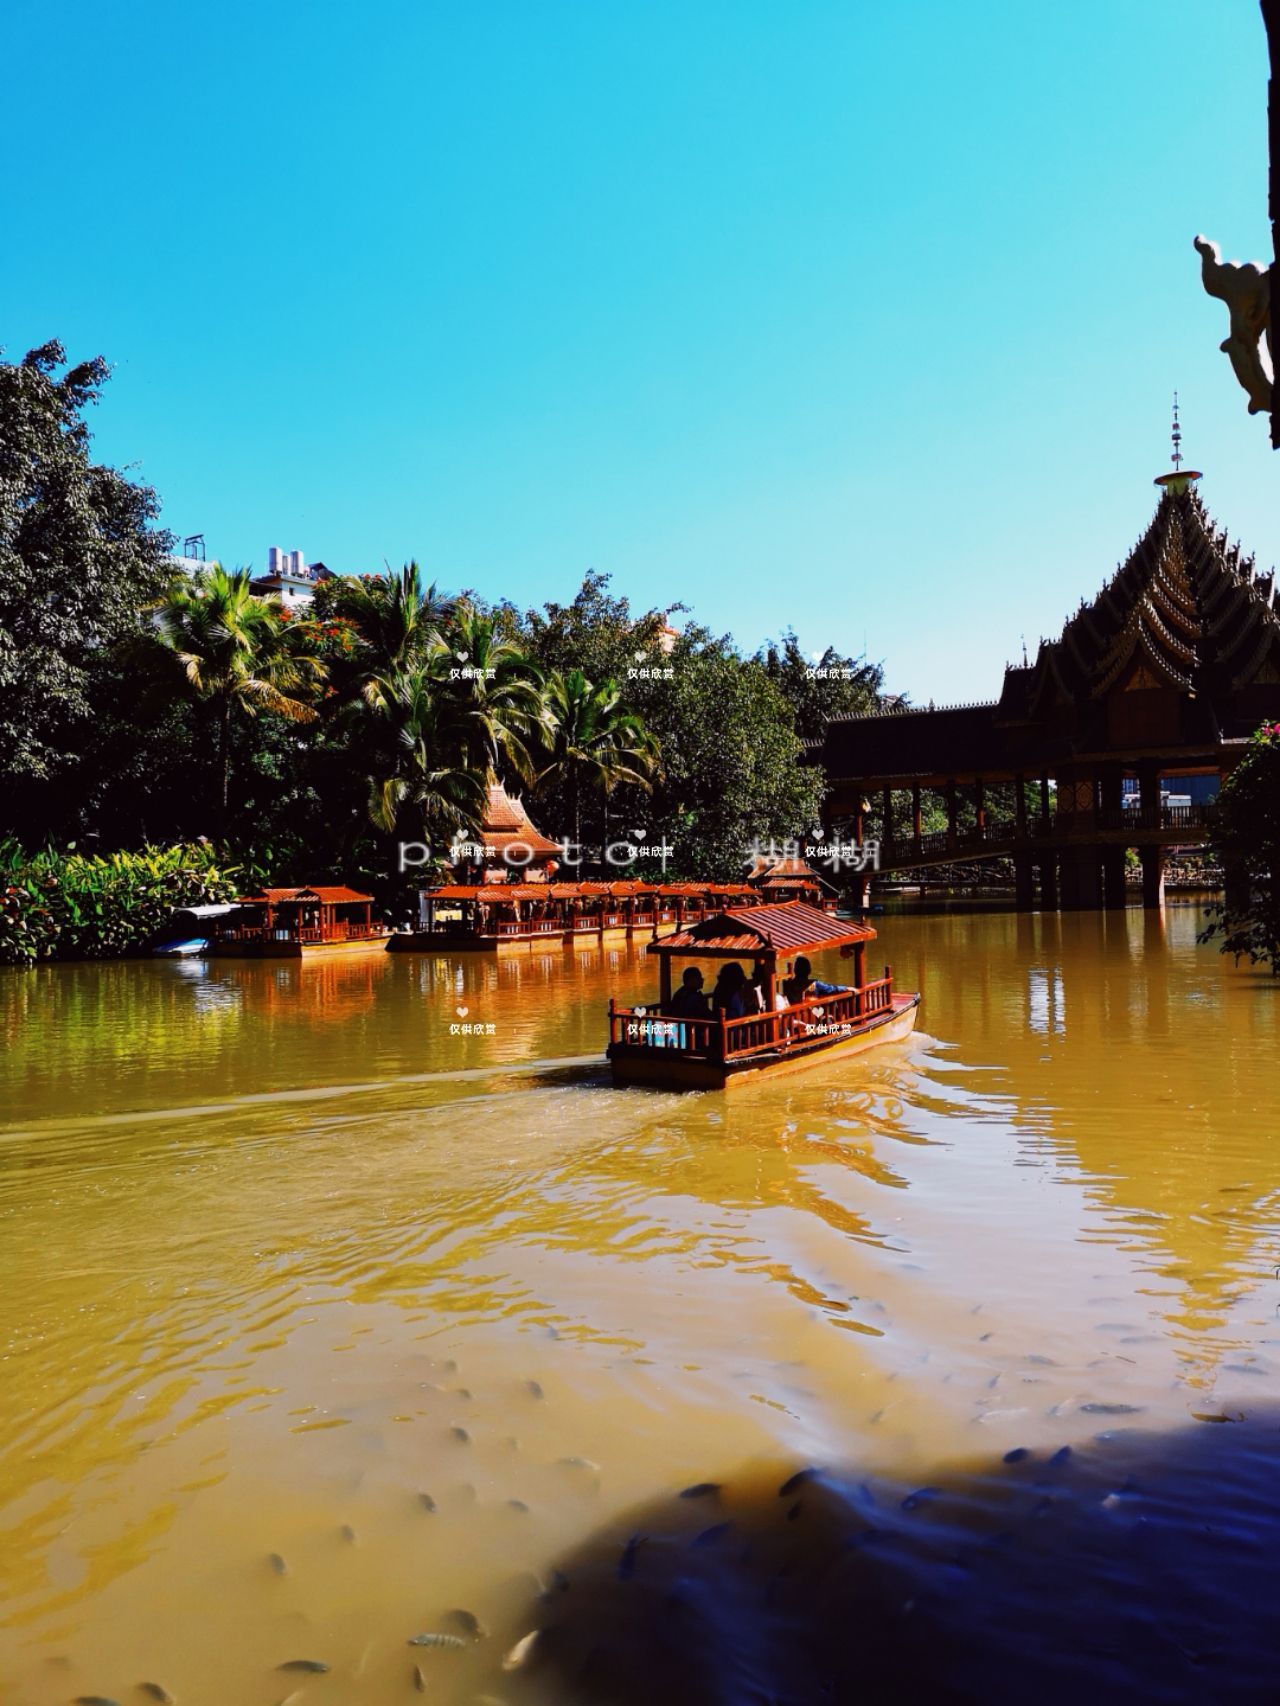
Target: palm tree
x: 594, y: 740
x: 237, y: 652
x: 495, y: 695
x: 426, y: 764
x: 399, y: 620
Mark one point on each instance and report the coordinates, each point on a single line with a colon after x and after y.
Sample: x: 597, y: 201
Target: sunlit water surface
x: 321, y: 1324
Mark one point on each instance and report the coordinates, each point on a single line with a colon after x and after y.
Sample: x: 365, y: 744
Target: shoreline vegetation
x: 166, y: 731
x: 147, y: 704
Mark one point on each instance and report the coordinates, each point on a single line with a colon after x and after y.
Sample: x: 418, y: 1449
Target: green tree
x: 429, y: 768
x: 495, y: 695
x: 594, y: 742
x: 80, y: 559
x: 223, y: 646
x: 734, y: 767
x: 396, y: 619
x: 819, y: 687
x: 1245, y: 837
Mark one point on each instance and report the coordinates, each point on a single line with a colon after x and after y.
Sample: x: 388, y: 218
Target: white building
x: 290, y: 577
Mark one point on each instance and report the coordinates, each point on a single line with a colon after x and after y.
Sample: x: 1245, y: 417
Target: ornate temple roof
x: 1186, y: 616
x: 1185, y: 610
x: 506, y: 824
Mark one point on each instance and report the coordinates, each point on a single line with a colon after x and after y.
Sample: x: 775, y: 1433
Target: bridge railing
x: 938, y: 844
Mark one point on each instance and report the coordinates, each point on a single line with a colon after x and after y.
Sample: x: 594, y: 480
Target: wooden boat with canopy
x: 648, y: 1045
x: 297, y: 923
x: 503, y: 917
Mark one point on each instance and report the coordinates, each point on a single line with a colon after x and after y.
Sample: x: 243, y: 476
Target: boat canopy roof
x: 502, y: 893
x: 327, y: 895
x: 790, y: 927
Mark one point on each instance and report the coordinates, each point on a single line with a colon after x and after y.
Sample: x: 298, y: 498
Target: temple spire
x: 1180, y: 478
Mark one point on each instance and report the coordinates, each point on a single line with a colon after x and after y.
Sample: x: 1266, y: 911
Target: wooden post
x: 980, y: 803
x: 886, y: 814
x: 1044, y: 801
x: 949, y: 789
x: 1020, y: 806
x: 664, y: 981
x: 915, y: 812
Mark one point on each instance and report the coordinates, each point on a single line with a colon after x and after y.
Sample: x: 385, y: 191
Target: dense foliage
x: 1245, y: 839
x: 73, y: 906
x: 141, y: 705
x: 80, y: 559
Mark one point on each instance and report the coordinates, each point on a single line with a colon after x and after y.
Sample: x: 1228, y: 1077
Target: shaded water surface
x: 324, y: 1328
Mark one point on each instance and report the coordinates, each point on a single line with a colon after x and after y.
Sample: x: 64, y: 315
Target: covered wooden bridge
x: 1165, y: 674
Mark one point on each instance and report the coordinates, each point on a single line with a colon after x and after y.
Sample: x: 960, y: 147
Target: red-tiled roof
x: 790, y: 927
x: 506, y: 824
x: 329, y: 896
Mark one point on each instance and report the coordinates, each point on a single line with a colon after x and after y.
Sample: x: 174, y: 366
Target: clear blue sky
x: 859, y: 317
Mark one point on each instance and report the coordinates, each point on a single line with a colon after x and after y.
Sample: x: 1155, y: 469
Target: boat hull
x: 284, y: 950
x: 659, y: 1069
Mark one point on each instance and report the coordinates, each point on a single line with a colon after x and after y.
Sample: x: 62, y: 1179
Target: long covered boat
x: 650, y: 1045
x: 297, y: 923
x: 502, y: 917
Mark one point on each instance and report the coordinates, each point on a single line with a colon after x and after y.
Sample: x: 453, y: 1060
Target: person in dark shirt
x: 802, y: 984
x: 689, y: 1002
x: 729, y: 995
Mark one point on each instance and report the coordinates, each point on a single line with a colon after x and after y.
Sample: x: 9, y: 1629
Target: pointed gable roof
x: 1184, y: 610
x: 506, y: 824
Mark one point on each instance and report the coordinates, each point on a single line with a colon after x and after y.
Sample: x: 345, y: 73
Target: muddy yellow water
x: 324, y: 1320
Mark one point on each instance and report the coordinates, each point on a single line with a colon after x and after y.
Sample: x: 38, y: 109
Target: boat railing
x: 794, y: 1027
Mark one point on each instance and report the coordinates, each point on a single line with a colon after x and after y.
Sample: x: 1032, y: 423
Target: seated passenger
x: 689, y: 1002
x: 802, y: 984
x: 728, y: 995
x: 755, y: 994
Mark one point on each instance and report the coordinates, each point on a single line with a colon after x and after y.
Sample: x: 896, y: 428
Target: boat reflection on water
x: 1139, y: 1567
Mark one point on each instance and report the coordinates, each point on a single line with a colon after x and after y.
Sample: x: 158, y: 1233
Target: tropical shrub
x: 83, y: 906
x: 1245, y: 838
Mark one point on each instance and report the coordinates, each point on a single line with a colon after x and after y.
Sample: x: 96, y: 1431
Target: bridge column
x: 1020, y: 807
x: 1024, y: 892
x: 1149, y: 793
x: 915, y: 812
x: 886, y: 813
x: 980, y: 803
x: 1044, y: 800
x: 1114, y: 893
x: 1049, y: 881
x: 949, y: 790
x: 1081, y: 874
x: 1152, y: 877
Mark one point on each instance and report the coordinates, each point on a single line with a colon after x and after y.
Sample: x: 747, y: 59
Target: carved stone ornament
x: 1246, y: 290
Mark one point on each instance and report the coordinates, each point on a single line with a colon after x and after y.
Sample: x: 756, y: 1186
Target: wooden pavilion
x: 287, y: 923
x: 513, y: 916
x: 792, y: 878
x: 1165, y: 674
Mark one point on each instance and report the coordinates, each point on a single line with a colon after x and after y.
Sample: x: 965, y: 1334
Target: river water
x: 323, y: 1324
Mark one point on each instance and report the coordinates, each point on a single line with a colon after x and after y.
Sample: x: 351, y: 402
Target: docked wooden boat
x: 298, y: 923
x: 649, y: 1045
x: 503, y: 918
